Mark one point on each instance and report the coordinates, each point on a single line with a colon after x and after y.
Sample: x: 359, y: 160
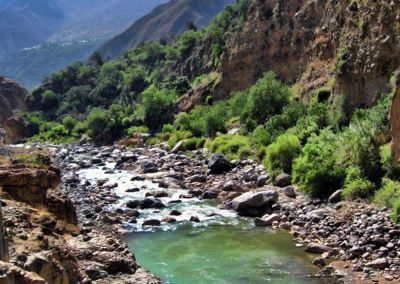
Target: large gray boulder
x: 218, y: 164
x: 255, y: 200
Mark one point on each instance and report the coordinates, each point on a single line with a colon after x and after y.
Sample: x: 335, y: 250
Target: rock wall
x: 394, y: 120
x: 38, y: 188
x: 350, y: 47
x: 12, y: 97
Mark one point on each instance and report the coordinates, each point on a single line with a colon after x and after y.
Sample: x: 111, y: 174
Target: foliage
x: 281, y: 153
x: 316, y: 170
x: 158, y: 107
x: 232, y: 146
x: 97, y: 122
x: 356, y: 186
x: 389, y: 191
x: 267, y: 98
x: 396, y: 210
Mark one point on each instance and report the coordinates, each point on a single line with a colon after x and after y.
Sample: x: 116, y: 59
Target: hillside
x: 12, y: 97
x: 26, y: 23
x: 164, y: 22
x: 31, y: 65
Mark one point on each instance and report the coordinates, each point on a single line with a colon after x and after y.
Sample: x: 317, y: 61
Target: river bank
x: 358, y: 235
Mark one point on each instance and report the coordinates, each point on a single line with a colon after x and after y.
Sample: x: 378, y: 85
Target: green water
x: 222, y: 254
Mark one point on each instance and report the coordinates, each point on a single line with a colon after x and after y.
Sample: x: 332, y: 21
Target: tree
x: 98, y: 122
x: 267, y: 98
x: 69, y: 123
x: 190, y: 26
x: 49, y: 100
x: 158, y: 107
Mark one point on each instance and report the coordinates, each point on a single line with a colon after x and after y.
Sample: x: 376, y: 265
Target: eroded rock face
x: 12, y: 97
x: 17, y: 129
x: 37, y: 187
x: 394, y: 120
x: 11, y: 274
x: 309, y: 43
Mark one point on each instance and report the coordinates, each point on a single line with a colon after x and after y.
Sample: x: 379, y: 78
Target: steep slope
x: 89, y: 19
x: 164, y: 22
x: 24, y: 23
x: 349, y: 47
x: 12, y: 97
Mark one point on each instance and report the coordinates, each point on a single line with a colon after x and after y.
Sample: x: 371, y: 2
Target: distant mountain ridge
x: 165, y: 21
x: 26, y: 23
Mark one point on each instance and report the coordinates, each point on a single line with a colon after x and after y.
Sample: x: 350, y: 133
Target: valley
x: 240, y: 141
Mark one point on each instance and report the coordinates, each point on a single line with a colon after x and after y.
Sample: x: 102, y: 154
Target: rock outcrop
x: 394, y: 120
x: 17, y: 130
x: 349, y: 47
x: 12, y: 97
x: 37, y: 187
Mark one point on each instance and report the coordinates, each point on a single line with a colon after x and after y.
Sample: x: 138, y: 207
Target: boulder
x: 17, y: 129
x: 125, y: 159
x: 262, y: 180
x: 336, y: 197
x: 180, y: 146
x: 283, y: 180
x: 255, y: 200
x: 209, y: 195
x: 317, y: 248
x: 198, y: 178
x: 380, y: 263
x: 289, y: 191
x: 219, y: 164
x: 267, y: 220
x: 151, y: 222
x: 151, y: 203
x: 232, y: 186
x: 12, y: 274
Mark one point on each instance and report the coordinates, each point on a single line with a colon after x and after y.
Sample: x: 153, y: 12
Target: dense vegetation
x: 322, y: 146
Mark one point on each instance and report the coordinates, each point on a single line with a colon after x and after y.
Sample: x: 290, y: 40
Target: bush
x: 391, y: 168
x: 267, y: 97
x: 136, y: 129
x: 396, y: 211
x: 357, y: 186
x: 97, y: 122
x: 177, y: 136
x: 158, y: 107
x: 389, y: 191
x: 69, y: 123
x: 232, y: 146
x: 49, y: 100
x: 316, y: 170
x: 280, y: 155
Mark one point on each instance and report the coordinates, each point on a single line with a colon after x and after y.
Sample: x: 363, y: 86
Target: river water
x: 221, y: 248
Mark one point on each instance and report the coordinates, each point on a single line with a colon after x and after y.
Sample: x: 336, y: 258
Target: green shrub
x: 396, y: 211
x: 391, y: 168
x: 194, y: 143
x: 356, y: 186
x: 389, y: 191
x: 98, y: 122
x: 49, y: 100
x: 267, y: 97
x: 136, y: 129
x: 69, y: 123
x: 316, y: 170
x: 157, y: 107
x: 280, y: 155
x: 231, y: 146
x: 177, y: 136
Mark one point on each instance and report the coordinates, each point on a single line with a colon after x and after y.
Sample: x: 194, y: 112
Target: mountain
x: 165, y: 21
x: 39, y: 37
x: 26, y: 23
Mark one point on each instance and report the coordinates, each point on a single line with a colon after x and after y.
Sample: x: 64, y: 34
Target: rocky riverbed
x: 113, y: 190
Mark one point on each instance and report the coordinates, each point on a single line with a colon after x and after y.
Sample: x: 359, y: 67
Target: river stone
x: 151, y: 203
x: 335, y: 197
x: 126, y: 158
x: 289, y: 191
x: 175, y: 213
x: 267, y: 220
x: 151, y: 222
x: 219, y: 164
x: 255, y: 200
x: 262, y: 180
x: 317, y: 248
x: 198, y: 178
x: 209, y: 195
x: 231, y: 186
x: 380, y: 263
x: 283, y: 180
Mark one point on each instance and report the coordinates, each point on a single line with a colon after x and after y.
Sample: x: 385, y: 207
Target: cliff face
x: 12, y: 97
x: 350, y: 47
